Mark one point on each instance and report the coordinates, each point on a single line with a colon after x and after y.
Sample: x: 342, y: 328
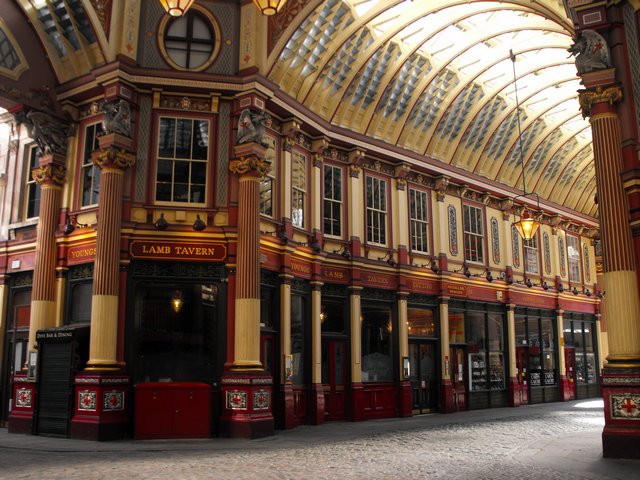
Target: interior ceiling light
x: 176, y: 8
x: 528, y: 224
x: 269, y: 7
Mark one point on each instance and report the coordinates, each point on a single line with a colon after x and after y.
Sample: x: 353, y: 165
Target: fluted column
x: 50, y: 175
x: 514, y: 387
x: 622, y: 302
x: 112, y: 162
x: 250, y: 169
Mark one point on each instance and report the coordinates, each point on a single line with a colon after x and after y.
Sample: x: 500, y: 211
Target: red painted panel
x: 380, y: 400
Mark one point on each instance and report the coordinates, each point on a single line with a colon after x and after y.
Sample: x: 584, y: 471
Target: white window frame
x: 574, y: 259
x: 419, y: 218
x: 298, y: 189
x: 332, y: 201
x: 268, y: 182
x: 376, y: 208
x: 30, y: 184
x: 531, y: 255
x: 90, y: 171
x: 473, y: 233
x: 190, y: 160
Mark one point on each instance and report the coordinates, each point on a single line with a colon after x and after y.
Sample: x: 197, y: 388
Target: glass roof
x: 436, y: 78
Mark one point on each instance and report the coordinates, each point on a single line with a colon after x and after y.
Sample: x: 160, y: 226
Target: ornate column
x: 50, y: 175
x: 246, y: 388
x: 621, y: 373
x: 285, y: 401
x: 567, y: 387
x: 101, y: 389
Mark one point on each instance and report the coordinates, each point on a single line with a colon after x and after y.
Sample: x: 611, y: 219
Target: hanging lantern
x: 527, y: 226
x: 176, y: 301
x: 176, y: 8
x: 269, y: 7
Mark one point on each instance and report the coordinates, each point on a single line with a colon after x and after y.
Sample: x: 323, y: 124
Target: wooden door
x: 334, y: 373
x: 522, y: 365
x: 458, y: 377
x: 422, y: 365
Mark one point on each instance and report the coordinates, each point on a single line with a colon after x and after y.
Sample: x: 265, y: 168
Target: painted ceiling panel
x: 437, y: 78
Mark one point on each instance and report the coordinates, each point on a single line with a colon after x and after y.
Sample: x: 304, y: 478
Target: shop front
x: 536, y: 351
x: 581, y: 355
x: 176, y: 337
x: 424, y: 353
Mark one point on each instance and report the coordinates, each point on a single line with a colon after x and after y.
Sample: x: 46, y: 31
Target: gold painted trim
x: 23, y: 65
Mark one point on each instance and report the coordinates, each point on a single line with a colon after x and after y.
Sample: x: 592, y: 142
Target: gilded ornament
x: 587, y: 98
x: 245, y: 165
x: 114, y: 158
x: 51, y: 174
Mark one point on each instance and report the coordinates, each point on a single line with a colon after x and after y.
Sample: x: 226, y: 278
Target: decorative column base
x: 246, y: 405
x: 567, y: 391
x: 447, y: 401
x: 316, y: 404
x: 357, y: 402
x: 24, y: 396
x: 284, y: 406
x: 621, y: 395
x: 405, y: 395
x: 514, y: 393
x: 100, y: 406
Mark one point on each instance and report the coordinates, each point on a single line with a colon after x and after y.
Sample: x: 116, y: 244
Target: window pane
x: 166, y: 137
x: 377, y: 363
x: 297, y: 338
x: 421, y: 322
x: 476, y: 334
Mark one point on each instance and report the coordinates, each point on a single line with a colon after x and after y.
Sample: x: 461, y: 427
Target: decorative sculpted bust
x: 251, y: 126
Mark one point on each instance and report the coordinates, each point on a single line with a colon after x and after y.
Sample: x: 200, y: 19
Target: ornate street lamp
x: 176, y: 8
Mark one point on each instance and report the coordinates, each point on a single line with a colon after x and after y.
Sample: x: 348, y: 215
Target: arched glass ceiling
x: 435, y: 77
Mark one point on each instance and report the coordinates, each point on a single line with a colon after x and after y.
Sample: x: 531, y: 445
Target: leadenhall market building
x: 224, y: 222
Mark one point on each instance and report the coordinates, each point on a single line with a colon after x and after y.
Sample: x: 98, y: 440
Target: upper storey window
x: 332, y: 201
x: 419, y: 206
x: 376, y: 210
x: 531, y: 254
x: 267, y: 183
x: 33, y: 189
x: 190, y: 42
x: 298, y: 189
x: 90, y: 172
x: 183, y: 151
x: 573, y: 256
x: 473, y: 234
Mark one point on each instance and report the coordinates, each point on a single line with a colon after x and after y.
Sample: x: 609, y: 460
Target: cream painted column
x: 506, y: 245
x: 285, y: 323
x: 284, y: 177
x: 61, y: 291
x: 511, y: 339
x: 562, y: 364
x: 355, y: 191
x: 50, y: 175
x: 444, y: 339
x: 316, y: 332
x: 250, y: 167
x: 622, y: 301
x: 442, y: 221
x: 112, y: 162
x: 356, y: 334
x: 318, y: 146
x: 401, y: 207
x: 403, y: 332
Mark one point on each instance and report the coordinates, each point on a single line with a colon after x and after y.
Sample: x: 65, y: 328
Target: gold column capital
x: 113, y: 158
x: 49, y: 174
x: 250, y: 164
x: 589, y: 97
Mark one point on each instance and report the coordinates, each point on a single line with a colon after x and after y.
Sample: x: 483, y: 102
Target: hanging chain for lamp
x: 176, y: 8
x: 269, y: 7
x: 528, y: 225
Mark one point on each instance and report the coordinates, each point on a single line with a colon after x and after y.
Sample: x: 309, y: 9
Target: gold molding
x: 246, y: 164
x: 587, y: 98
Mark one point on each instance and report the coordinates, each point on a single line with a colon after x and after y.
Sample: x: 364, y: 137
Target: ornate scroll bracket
x: 49, y: 174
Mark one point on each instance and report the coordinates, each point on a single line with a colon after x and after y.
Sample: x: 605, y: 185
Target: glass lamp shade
x: 269, y: 7
x: 527, y: 226
x: 176, y: 8
x: 176, y: 301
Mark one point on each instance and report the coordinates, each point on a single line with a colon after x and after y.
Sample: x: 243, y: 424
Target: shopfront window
x: 377, y: 327
x: 540, y: 335
x: 332, y: 317
x: 485, y: 340
x: 421, y: 322
x: 267, y: 182
x: 580, y: 334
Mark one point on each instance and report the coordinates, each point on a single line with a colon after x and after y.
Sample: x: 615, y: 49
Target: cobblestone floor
x: 552, y: 441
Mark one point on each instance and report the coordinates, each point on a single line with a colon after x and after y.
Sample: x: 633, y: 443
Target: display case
x: 496, y: 371
x: 477, y: 372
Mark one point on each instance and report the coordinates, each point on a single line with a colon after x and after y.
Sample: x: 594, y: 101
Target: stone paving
x: 551, y: 441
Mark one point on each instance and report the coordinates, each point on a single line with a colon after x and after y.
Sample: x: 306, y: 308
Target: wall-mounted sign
x: 209, y: 252
x: 335, y: 275
x: 300, y: 268
x: 81, y: 254
x: 379, y: 280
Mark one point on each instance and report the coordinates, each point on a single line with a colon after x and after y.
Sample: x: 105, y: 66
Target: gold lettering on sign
x: 458, y: 290
x: 300, y: 267
x: 377, y: 280
x: 333, y: 274
x: 422, y: 285
x: 84, y: 252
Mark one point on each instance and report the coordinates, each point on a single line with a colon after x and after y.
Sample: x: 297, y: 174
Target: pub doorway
x: 423, y: 376
x: 522, y: 366
x: 334, y: 374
